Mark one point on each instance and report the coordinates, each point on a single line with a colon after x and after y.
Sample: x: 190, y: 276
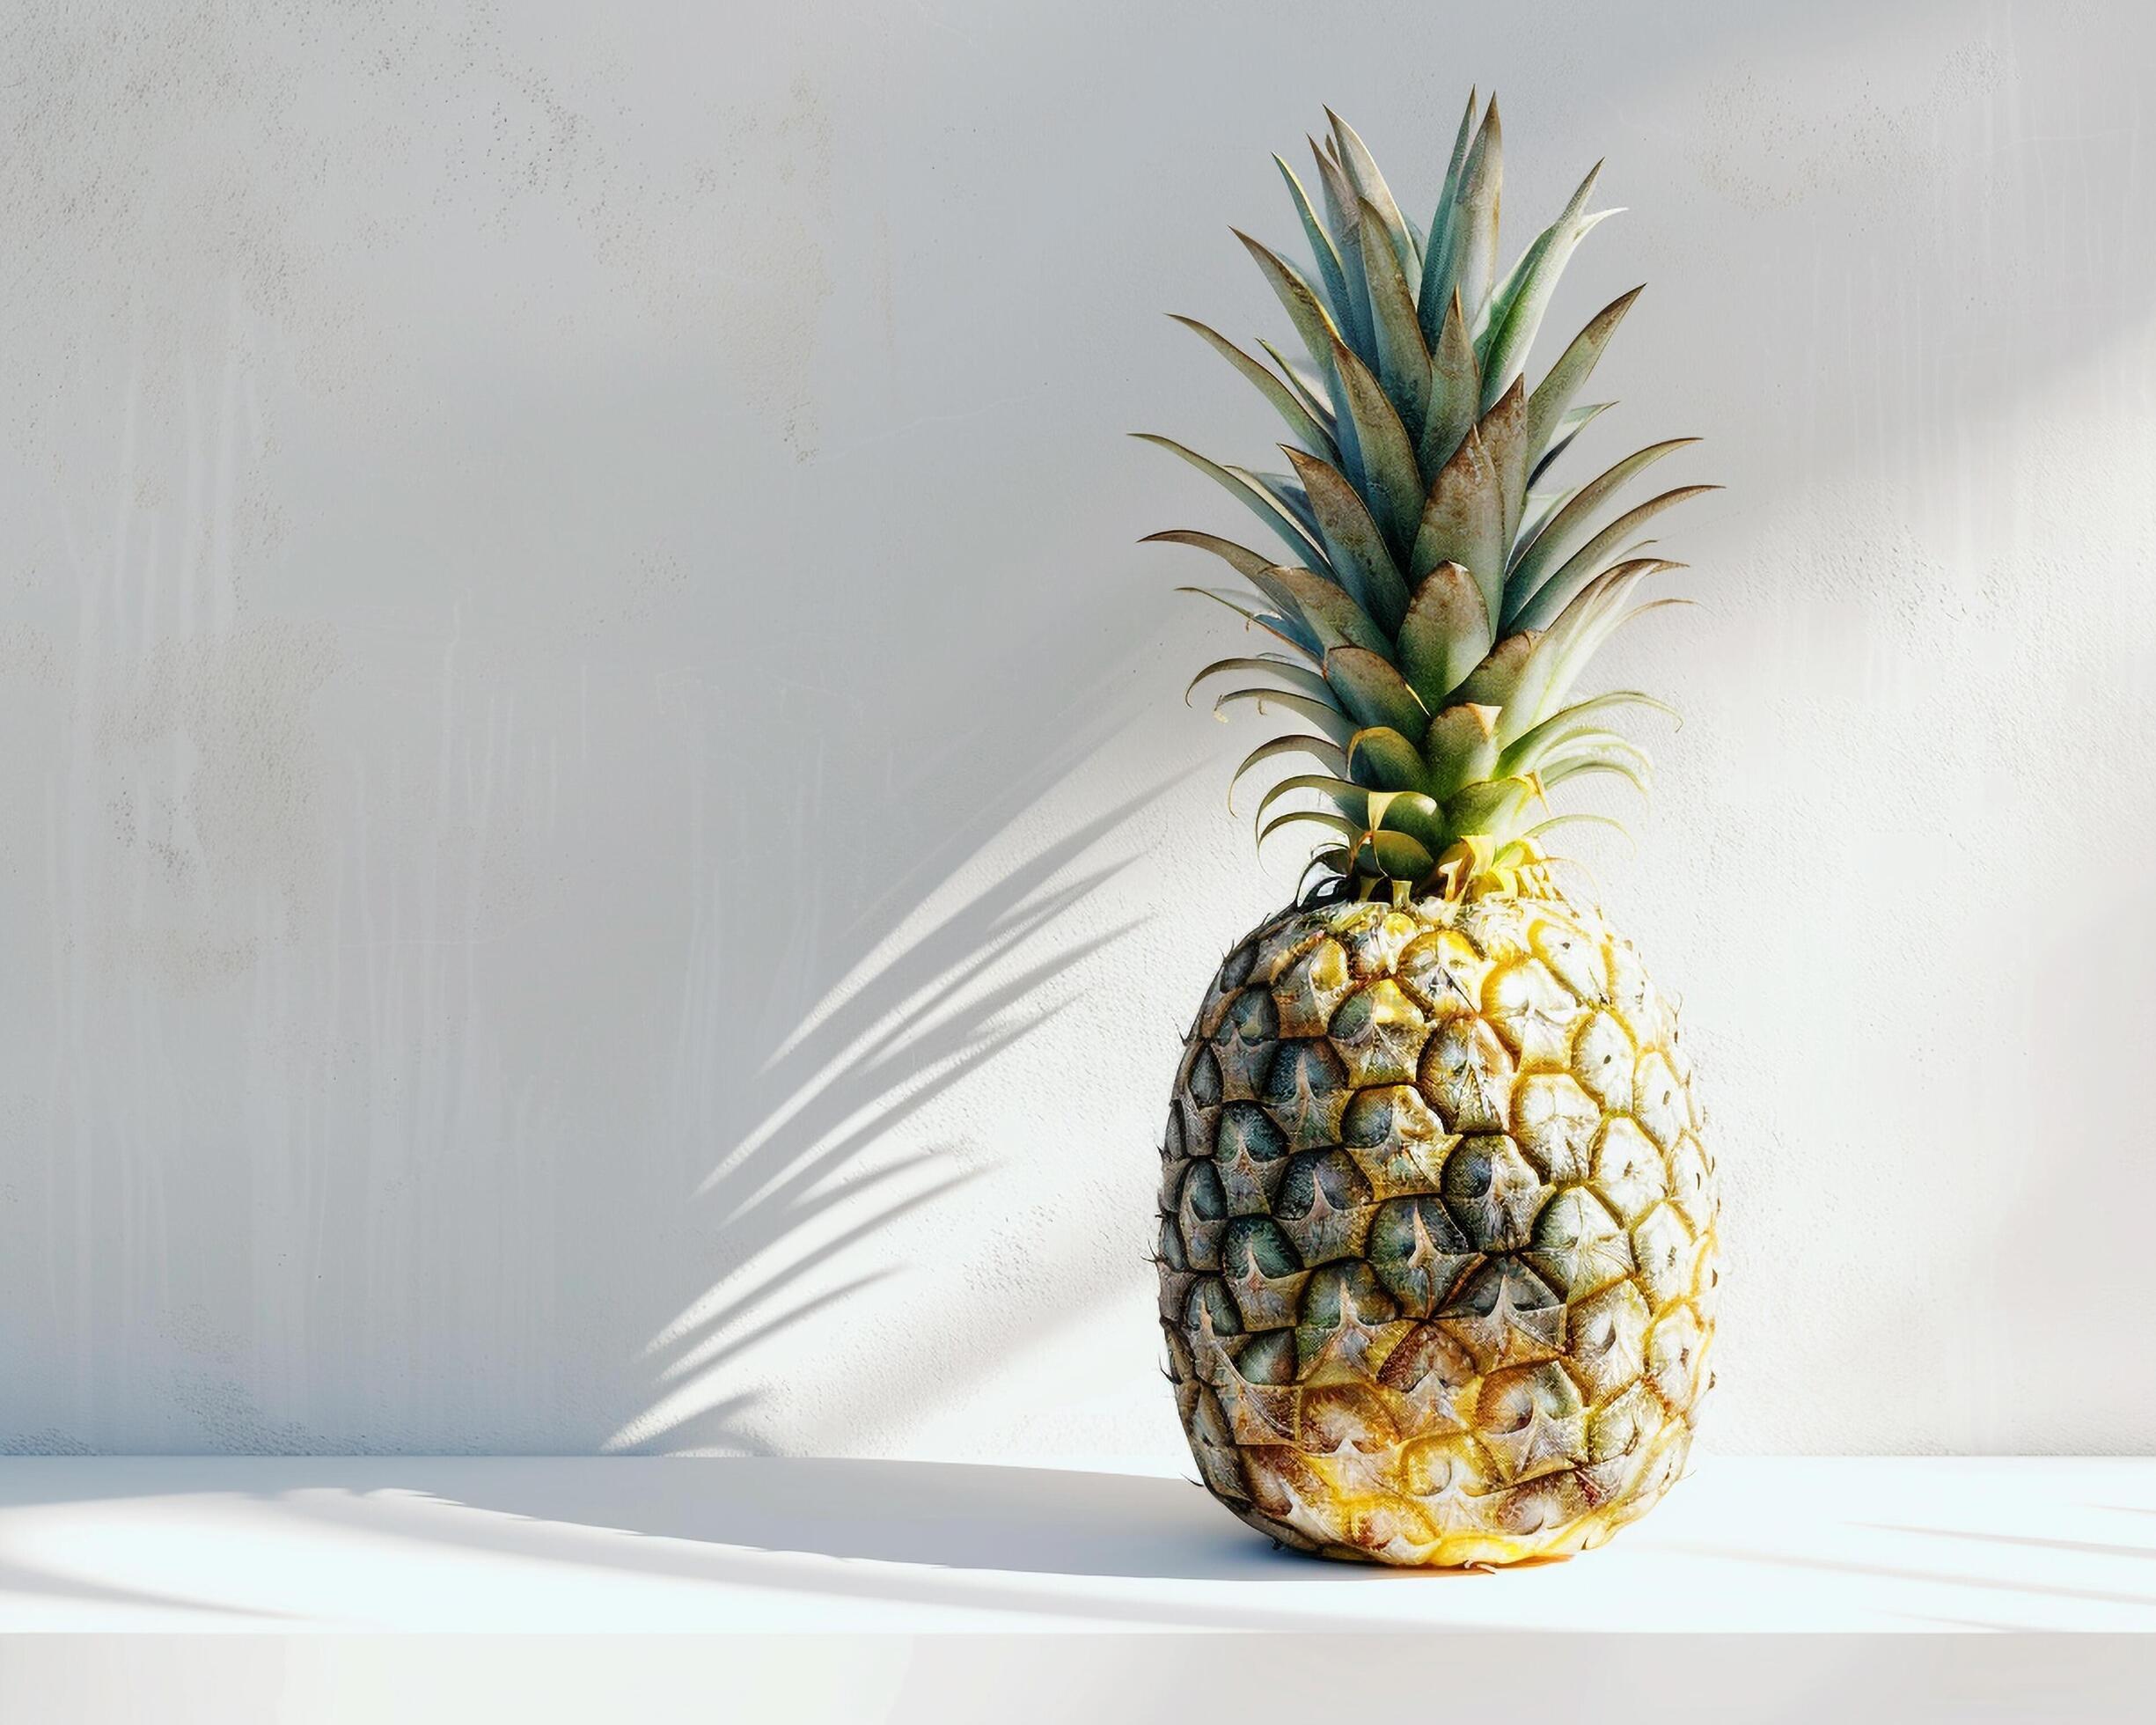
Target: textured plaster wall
x: 600, y: 845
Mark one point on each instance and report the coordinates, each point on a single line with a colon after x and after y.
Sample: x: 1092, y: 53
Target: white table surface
x: 642, y: 1546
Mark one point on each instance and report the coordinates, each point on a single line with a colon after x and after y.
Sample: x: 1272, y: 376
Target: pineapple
x: 1437, y: 1260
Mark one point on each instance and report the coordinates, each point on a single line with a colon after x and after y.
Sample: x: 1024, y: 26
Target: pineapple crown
x: 1439, y: 601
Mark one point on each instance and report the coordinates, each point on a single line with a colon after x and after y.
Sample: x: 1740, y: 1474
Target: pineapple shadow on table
x: 823, y: 1104
x: 909, y: 1532
x: 901, y: 1528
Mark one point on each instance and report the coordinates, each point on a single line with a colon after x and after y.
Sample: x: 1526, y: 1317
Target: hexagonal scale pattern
x: 1437, y: 1256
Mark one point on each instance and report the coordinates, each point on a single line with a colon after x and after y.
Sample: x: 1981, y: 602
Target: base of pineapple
x: 1385, y: 1521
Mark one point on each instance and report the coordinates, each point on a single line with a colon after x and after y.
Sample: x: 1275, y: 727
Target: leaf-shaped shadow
x: 810, y: 1177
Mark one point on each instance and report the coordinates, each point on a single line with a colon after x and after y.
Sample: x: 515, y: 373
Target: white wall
x: 603, y: 848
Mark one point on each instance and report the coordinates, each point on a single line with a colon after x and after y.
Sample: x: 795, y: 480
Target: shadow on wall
x: 820, y: 1156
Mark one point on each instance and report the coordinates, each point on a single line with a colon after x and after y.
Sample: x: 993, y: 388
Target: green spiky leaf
x: 1340, y: 198
x: 1241, y: 558
x: 1463, y: 523
x: 1250, y: 494
x: 1370, y: 187
x: 1292, y: 676
x: 1496, y: 677
x: 1307, y: 390
x: 1542, y: 508
x: 1354, y: 545
x: 1313, y: 324
x: 1554, y: 394
x: 1460, y: 744
x: 1542, y: 603
x: 1384, y: 759
x: 1327, y: 754
x: 1286, y: 630
x: 1445, y: 634
x: 1436, y: 290
x: 1391, y: 481
x: 1575, y: 421
x: 1279, y: 594
x: 1300, y: 421
x: 1537, y: 557
x: 1286, y: 491
x: 1592, y: 743
x: 1607, y: 761
x: 1318, y: 816
x: 1569, y: 721
x: 1323, y: 254
x: 1575, y: 819
x: 1557, y: 653
x: 1474, y: 264
x: 1352, y: 800
x: 1503, y: 432
x: 1517, y: 314
x: 1456, y: 390
x: 1371, y: 691
x: 1325, y: 715
x: 1403, y: 360
x: 1399, y: 856
x: 1412, y: 812
x: 1462, y: 262
x: 1488, y: 804
x: 1327, y: 610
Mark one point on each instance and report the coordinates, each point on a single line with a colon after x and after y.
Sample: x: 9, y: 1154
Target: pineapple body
x: 1438, y: 1258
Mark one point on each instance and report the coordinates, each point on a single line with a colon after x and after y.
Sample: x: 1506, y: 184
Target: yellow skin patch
x: 1438, y: 1259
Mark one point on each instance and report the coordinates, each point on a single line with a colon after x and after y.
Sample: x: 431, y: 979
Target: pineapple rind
x: 1438, y: 1258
